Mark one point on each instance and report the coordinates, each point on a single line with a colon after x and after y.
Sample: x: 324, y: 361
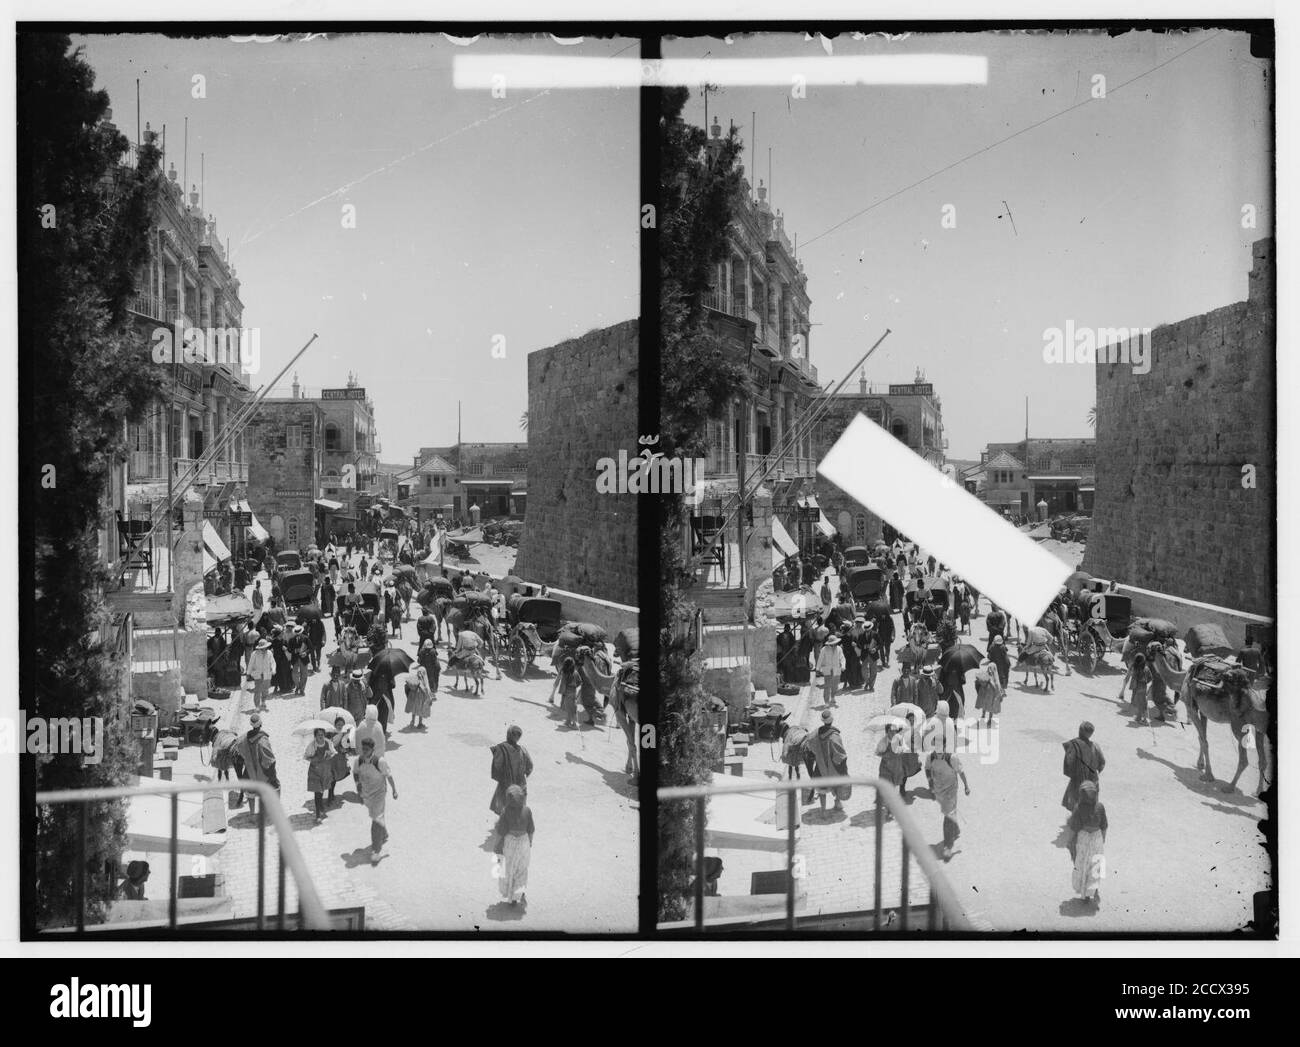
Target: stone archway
x: 844, y: 524
x: 276, y: 526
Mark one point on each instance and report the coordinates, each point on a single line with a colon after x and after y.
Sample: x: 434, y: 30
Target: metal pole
x: 791, y: 813
x: 699, y: 863
x: 279, y: 923
x: 907, y: 860
x: 174, y: 847
x: 261, y: 861
x: 81, y: 870
x: 880, y: 841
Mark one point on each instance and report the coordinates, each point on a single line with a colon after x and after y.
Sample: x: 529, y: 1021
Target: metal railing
x: 311, y: 912
x: 946, y: 912
x: 153, y: 307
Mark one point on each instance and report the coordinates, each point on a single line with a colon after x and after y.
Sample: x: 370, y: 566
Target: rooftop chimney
x: 862, y: 382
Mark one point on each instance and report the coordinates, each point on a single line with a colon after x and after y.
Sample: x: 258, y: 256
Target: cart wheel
x: 1092, y: 652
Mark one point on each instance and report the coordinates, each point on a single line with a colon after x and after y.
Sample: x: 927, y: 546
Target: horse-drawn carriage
x: 285, y: 562
x: 857, y: 556
x: 866, y: 583
x: 1102, y: 625
x: 532, y: 622
x: 298, y: 588
x: 362, y: 609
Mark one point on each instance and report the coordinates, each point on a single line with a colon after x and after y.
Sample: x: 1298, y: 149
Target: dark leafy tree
x: 700, y: 183
x: 83, y: 221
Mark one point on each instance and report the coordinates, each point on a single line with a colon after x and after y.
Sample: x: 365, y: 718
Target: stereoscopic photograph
x: 973, y: 600
x: 322, y: 336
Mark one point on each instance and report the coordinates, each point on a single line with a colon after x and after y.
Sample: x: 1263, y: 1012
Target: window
x: 293, y: 436
x: 332, y: 441
x: 293, y: 532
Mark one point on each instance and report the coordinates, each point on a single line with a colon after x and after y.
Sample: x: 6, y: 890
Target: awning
x: 485, y: 483
x: 255, y: 528
x: 1054, y: 479
x: 214, y: 549
x: 781, y: 539
x: 824, y: 525
x: 325, y: 503
x: 808, y: 501
x: 518, y: 494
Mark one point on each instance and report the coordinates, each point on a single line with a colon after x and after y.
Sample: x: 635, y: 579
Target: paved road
x: 437, y: 874
x: 1180, y: 854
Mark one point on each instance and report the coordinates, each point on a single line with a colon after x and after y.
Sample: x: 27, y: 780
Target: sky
x: 476, y: 217
x: 1127, y: 210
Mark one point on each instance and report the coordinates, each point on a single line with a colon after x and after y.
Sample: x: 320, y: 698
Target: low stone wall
x: 1186, y: 613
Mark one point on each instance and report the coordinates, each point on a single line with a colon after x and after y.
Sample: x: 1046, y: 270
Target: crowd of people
x: 277, y: 656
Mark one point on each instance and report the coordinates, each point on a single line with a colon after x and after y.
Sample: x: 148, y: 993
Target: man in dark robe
x: 895, y: 592
x: 786, y: 654
x: 885, y: 636
x: 852, y: 658
x: 511, y: 765
x: 1084, y: 762
x: 831, y: 758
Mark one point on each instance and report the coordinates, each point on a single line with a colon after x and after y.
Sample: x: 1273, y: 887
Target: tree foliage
x: 698, y: 189
x: 82, y: 238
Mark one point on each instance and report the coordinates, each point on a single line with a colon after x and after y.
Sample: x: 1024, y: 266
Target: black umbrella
x: 962, y: 658
x: 389, y: 664
x: 307, y: 611
x: 878, y: 607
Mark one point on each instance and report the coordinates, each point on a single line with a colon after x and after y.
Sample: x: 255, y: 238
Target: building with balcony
x: 454, y: 480
x: 350, y: 452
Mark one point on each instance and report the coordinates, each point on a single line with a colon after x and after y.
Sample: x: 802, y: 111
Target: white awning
x: 325, y: 503
x: 808, y: 501
x: 214, y: 549
x: 255, y: 529
x: 781, y: 541
x: 824, y: 525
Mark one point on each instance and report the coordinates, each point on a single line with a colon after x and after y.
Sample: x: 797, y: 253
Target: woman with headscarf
x: 988, y: 691
x: 372, y: 729
x: 320, y: 769
x: 1087, y: 828
x: 514, y: 830
x: 419, y: 697
x: 428, y: 659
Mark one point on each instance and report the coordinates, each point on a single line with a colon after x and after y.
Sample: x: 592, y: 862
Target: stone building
x: 492, y: 479
x: 349, y: 453
x: 582, y: 407
x: 286, y: 450
x: 1186, y: 457
x: 1059, y: 471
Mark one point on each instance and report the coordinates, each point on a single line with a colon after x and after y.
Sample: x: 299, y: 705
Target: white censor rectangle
x: 536, y: 72
x: 942, y: 517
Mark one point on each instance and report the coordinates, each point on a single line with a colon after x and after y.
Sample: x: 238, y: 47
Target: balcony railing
x: 721, y: 302
x: 311, y: 915
x: 945, y: 911
x: 153, y: 307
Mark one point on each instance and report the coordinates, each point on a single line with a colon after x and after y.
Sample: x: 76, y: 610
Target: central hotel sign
x: 351, y: 393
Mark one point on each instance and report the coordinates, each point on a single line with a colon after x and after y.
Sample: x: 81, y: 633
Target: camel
x: 1235, y: 702
x: 622, y: 689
